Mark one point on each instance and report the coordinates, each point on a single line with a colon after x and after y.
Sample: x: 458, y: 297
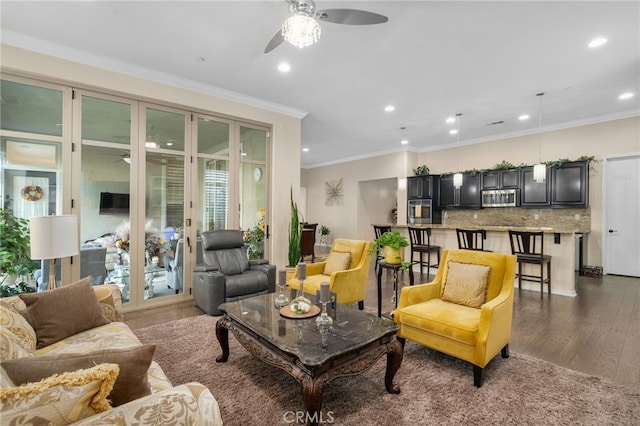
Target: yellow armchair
x: 473, y: 334
x: 349, y: 284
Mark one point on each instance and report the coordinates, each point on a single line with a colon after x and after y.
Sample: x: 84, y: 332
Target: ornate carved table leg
x: 394, y: 359
x: 312, y: 391
x: 222, y: 333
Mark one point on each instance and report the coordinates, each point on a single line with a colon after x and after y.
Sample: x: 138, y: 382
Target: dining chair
x: 378, y: 231
x: 529, y: 248
x: 471, y: 239
x: 420, y: 241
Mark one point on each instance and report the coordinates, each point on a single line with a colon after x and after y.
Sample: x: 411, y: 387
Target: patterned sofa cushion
x: 59, y: 399
x: 188, y: 404
x: 17, y: 337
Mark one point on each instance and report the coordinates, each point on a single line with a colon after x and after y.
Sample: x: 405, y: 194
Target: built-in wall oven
x: 501, y: 198
x: 422, y: 212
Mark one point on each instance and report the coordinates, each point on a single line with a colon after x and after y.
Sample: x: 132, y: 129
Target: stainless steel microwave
x: 500, y: 198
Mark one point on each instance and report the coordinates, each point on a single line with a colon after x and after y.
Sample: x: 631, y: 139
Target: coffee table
x: 355, y: 343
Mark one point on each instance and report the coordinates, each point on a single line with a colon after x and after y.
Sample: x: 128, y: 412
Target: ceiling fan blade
x: 275, y: 41
x: 351, y: 17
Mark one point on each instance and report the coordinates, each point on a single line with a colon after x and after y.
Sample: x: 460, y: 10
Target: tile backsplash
x: 569, y: 219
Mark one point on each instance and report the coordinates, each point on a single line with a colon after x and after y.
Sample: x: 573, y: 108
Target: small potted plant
x: 324, y: 233
x: 392, y: 244
x: 421, y: 170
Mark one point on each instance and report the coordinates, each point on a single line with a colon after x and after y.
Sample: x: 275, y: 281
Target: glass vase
x: 300, y: 298
x: 282, y: 300
x: 324, y: 322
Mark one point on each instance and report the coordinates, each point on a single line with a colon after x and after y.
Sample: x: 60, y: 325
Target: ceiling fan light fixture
x: 301, y: 30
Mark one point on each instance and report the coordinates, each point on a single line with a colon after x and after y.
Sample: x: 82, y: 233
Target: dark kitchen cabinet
x: 570, y: 185
x: 447, y: 197
x: 422, y: 187
x: 467, y: 196
x: 501, y: 179
x: 534, y: 194
x: 470, y: 191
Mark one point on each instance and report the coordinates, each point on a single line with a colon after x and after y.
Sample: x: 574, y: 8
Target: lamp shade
x: 54, y: 237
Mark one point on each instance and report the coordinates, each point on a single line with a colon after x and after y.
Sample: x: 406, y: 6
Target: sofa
x: 100, y: 375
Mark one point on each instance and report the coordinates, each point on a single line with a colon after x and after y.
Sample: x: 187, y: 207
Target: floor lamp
x: 53, y: 237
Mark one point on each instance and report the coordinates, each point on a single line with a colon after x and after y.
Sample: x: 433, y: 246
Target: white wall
x: 598, y: 140
x: 376, y: 199
x: 286, y: 129
x: 344, y: 221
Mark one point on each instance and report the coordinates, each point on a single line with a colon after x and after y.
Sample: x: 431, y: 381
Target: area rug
x: 435, y: 389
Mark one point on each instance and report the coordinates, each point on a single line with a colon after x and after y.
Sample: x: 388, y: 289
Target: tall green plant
x: 295, y: 235
x: 15, y: 248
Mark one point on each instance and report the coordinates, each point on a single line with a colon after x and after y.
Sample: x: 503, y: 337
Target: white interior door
x: 621, y: 231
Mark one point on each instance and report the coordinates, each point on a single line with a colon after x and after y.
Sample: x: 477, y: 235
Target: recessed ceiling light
x: 451, y: 120
x: 453, y: 132
x: 389, y: 108
x: 597, y: 42
x: 305, y: 149
x: 627, y: 95
x: 151, y: 145
x: 404, y: 142
x: 284, y: 67
x: 523, y: 117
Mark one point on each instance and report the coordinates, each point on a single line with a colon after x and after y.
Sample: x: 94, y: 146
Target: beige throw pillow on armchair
x: 337, y: 261
x: 466, y: 284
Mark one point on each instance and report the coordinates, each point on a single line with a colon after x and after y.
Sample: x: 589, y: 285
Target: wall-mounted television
x: 114, y: 203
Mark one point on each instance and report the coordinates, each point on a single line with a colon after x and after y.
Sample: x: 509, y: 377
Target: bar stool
x: 529, y: 248
x: 379, y: 230
x: 420, y: 239
x: 471, y: 239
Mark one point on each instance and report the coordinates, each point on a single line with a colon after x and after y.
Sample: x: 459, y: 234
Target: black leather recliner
x: 227, y: 274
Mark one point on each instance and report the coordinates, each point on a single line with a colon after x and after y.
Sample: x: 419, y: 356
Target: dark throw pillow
x: 132, y: 382
x: 62, y: 312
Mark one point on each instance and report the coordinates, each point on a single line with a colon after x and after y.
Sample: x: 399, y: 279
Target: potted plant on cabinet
x: 392, y: 244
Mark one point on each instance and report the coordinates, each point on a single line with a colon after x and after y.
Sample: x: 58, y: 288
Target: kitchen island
x: 559, y: 243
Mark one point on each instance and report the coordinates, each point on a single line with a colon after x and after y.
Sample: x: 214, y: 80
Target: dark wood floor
x: 597, y: 332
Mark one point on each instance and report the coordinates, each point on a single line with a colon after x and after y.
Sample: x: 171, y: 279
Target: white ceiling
x: 433, y: 59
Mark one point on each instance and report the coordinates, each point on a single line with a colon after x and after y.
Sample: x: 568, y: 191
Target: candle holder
x: 324, y: 322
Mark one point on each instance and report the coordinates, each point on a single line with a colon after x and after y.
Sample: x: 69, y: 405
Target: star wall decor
x: 334, y: 193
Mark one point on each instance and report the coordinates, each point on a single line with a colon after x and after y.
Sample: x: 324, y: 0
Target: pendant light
x: 540, y: 169
x: 457, y: 177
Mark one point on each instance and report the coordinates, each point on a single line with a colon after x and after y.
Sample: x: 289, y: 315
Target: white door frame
x: 605, y: 233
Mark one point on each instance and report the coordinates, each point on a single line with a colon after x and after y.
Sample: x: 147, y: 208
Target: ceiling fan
x: 302, y: 28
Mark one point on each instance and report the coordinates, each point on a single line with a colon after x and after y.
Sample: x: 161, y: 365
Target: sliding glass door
x: 33, y: 141
x: 145, y: 180
x: 165, y: 195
